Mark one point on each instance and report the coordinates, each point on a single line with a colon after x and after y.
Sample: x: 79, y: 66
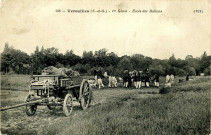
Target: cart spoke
x: 86, y: 93
x: 86, y: 89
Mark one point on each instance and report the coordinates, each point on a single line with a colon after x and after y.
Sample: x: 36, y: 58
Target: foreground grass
x: 185, y: 109
x: 181, y: 111
x: 15, y: 121
x: 15, y: 82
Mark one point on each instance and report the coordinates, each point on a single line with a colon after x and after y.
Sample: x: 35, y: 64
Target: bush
x: 80, y: 68
x: 156, y: 70
x: 11, y: 72
x: 207, y: 71
x: 164, y: 90
x: 180, y: 72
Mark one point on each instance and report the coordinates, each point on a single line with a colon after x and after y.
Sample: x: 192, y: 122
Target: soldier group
x: 139, y: 79
x: 134, y: 78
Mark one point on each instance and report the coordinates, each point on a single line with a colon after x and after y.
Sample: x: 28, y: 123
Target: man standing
x: 156, y: 80
x: 172, y: 78
x: 143, y: 82
x: 168, y: 81
x: 138, y: 86
x: 99, y: 79
x: 129, y: 79
x: 125, y: 79
x: 135, y: 78
x: 187, y: 77
x: 147, y: 79
x: 167, y: 78
x: 95, y: 75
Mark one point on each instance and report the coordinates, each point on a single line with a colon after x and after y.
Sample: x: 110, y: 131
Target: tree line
x: 14, y: 61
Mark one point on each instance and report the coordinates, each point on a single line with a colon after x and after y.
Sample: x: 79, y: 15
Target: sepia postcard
x: 92, y: 67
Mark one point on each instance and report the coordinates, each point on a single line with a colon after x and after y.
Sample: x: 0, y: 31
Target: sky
x: 177, y: 30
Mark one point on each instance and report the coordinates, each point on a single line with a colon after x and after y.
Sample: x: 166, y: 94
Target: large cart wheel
x: 68, y: 104
x: 30, y: 109
x: 86, y: 96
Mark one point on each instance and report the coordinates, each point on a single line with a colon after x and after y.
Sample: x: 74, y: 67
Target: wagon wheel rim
x: 68, y: 105
x: 85, y: 96
x: 30, y: 109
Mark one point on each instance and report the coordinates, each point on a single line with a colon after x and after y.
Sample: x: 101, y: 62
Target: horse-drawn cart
x: 53, y: 91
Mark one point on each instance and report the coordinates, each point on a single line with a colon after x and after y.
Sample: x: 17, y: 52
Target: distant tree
x: 37, y: 62
x: 181, y: 63
x: 26, y: 68
x: 172, y: 61
x: 158, y: 69
x: 6, y: 62
x: 101, y: 53
x: 180, y: 72
x: 147, y: 62
x: 12, y: 59
x: 138, y: 62
x: 37, y: 49
x: 87, y: 58
x: 6, y: 47
x: 204, y: 62
x: 194, y: 63
x: 112, y: 59
x: 190, y: 70
x: 87, y: 54
x: 42, y: 49
x: 112, y: 54
x: 125, y: 64
x: 188, y: 57
x: 80, y: 68
x: 59, y: 65
x: 71, y: 59
x: 16, y: 61
x: 207, y: 71
x: 110, y: 70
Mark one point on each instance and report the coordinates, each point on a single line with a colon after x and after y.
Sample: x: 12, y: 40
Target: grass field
x: 184, y: 109
x: 15, y: 82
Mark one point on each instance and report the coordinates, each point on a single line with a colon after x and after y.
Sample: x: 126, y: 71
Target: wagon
x: 53, y: 91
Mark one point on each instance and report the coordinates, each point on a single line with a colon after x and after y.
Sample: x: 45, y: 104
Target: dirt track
x: 15, y: 121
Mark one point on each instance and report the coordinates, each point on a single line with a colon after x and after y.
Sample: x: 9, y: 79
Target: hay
x: 51, y: 70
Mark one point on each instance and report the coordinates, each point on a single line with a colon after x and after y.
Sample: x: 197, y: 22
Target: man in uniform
x: 99, y: 78
x: 156, y: 79
x: 147, y: 78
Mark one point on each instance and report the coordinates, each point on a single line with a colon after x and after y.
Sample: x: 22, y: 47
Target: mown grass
x: 181, y: 111
x: 184, y: 109
x: 199, y: 84
x: 15, y: 82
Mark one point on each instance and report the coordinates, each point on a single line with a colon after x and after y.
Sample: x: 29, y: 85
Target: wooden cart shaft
x: 23, y: 104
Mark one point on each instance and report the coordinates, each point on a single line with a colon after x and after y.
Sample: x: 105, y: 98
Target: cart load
x: 54, y: 90
x: 51, y: 70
